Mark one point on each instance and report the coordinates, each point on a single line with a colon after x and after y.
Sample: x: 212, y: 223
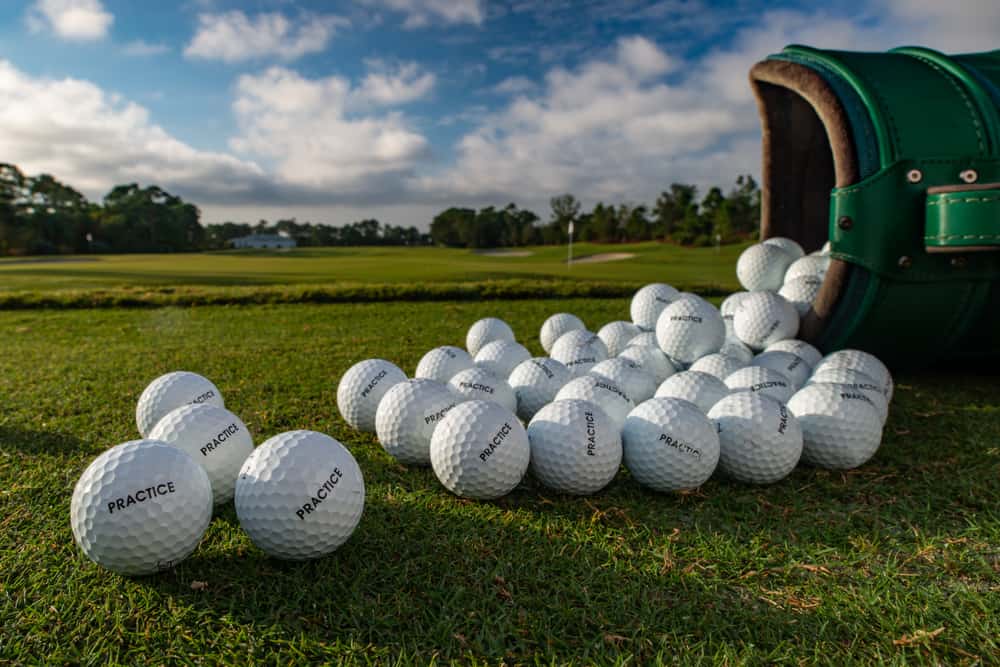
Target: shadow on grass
x: 30, y: 441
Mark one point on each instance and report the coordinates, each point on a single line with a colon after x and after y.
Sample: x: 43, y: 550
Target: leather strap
x: 962, y: 218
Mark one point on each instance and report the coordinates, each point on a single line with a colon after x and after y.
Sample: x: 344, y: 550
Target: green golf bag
x: 895, y: 159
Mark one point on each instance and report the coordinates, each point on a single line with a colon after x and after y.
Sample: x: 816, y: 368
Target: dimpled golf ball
x: 141, y: 507
x: 645, y: 339
x: 801, y: 292
x: 731, y: 304
x: 362, y: 387
x: 718, y: 364
x: 169, y: 392
x: 758, y: 379
x: 300, y: 495
x: 760, y: 439
x: 790, y: 365
x: 214, y: 437
x: 700, y: 389
x: 651, y: 359
x: 841, y: 428
x: 670, y: 445
x: 556, y: 326
x: 480, y: 450
x: 407, y: 415
x: 536, y: 382
x: 579, y: 350
x: 616, y: 335
x: 501, y: 357
x: 688, y: 330
x: 649, y: 302
x: 857, y: 360
x: 478, y: 383
x: 608, y: 396
x: 443, y: 362
x: 857, y: 381
x: 486, y: 331
x: 764, y: 318
x: 762, y: 267
x: 786, y: 244
x: 737, y: 348
x: 575, y: 447
x: 637, y: 384
x: 799, y: 348
x: 814, y: 266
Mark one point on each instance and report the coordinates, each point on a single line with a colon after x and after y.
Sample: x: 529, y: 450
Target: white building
x: 263, y: 241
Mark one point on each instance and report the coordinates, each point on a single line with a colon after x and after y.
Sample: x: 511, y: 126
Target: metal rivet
x: 969, y: 176
x: 905, y: 262
x: 845, y: 223
x: 914, y: 176
x: 958, y: 262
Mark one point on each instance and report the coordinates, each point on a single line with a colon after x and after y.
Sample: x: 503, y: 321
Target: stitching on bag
x: 952, y: 237
x: 980, y: 139
x: 964, y: 200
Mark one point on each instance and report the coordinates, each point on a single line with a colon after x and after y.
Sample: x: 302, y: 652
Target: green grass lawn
x: 653, y: 262
x: 896, y: 562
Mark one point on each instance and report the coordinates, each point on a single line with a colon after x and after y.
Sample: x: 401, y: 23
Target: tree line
x: 40, y: 215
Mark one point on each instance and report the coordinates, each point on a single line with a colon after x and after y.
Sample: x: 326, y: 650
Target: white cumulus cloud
x: 392, y: 85
x: 422, y: 13
x: 77, y: 20
x: 233, y: 36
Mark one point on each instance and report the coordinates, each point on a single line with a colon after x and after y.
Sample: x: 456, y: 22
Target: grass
x: 896, y: 562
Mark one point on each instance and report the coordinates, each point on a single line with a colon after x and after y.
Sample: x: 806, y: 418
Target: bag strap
x: 962, y: 218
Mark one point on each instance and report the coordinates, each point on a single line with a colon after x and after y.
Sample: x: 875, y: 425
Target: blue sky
x: 330, y: 111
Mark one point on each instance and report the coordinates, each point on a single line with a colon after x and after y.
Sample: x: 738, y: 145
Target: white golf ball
x: 214, y: 437
x: 857, y: 360
x: 651, y: 359
x: 141, y: 507
x: 731, y: 304
x: 760, y: 439
x: 407, y: 415
x: 579, y: 350
x: 841, y: 428
x: 575, y: 447
x: 765, y: 318
x: 501, y: 357
x: 825, y: 249
x: 442, y: 363
x: 762, y: 267
x: 608, y: 396
x: 857, y: 381
x: 801, y: 292
x: 670, y: 445
x: 536, y: 382
x: 786, y: 244
x: 814, y: 266
x: 758, y: 379
x: 637, y: 383
x: 556, y: 326
x: 700, y: 389
x: 300, y: 495
x: 737, y: 348
x: 718, y: 364
x: 362, y: 387
x: 646, y: 338
x: 169, y: 392
x: 480, y: 450
x: 799, y: 348
x: 790, y: 365
x: 478, y: 383
x: 688, y: 330
x: 649, y: 302
x: 486, y: 331
x: 616, y: 335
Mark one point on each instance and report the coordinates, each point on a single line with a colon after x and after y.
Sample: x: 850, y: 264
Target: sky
x: 395, y: 109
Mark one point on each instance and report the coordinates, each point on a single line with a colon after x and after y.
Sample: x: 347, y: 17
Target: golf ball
x: 141, y: 507
x: 169, y: 392
x: 670, y: 445
x: 486, y: 331
x: 407, y: 415
x: 731, y: 304
x: 799, y: 348
x: 814, y: 266
x: 480, y: 450
x: 841, y: 428
x: 718, y: 364
x: 688, y: 330
x: 556, y: 326
x: 536, y: 382
x: 501, y: 357
x: 362, y: 387
x: 790, y: 365
x: 651, y: 359
x: 443, y: 362
x: 700, y: 389
x: 214, y: 437
x: 786, y: 244
x: 649, y: 302
x: 579, y: 350
x: 759, y: 379
x: 575, y: 447
x: 300, y: 495
x: 856, y: 381
x: 736, y: 348
x: 764, y: 318
x: 637, y: 384
x: 478, y: 383
x: 801, y: 292
x: 646, y: 338
x: 616, y: 335
x: 609, y: 397
x: 760, y: 439
x: 762, y: 267
x: 864, y: 362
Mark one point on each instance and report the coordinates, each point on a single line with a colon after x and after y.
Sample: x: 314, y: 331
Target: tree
x: 674, y: 209
x: 565, y: 209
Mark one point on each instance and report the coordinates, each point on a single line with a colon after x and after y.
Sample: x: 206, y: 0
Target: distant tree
x: 452, y: 227
x: 565, y: 209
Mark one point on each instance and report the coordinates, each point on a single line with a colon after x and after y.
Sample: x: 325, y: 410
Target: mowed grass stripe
x: 834, y: 568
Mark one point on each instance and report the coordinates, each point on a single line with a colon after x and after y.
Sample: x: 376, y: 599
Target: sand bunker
x: 604, y: 257
x: 504, y: 253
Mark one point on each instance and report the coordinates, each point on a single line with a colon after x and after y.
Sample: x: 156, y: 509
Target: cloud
x: 423, y: 13
x: 966, y: 26
x: 75, y: 20
x: 515, y: 85
x: 140, y: 48
x: 93, y: 140
x: 386, y: 85
x: 233, y: 36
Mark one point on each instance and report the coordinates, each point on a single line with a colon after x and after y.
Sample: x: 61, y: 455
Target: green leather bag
x: 895, y: 159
